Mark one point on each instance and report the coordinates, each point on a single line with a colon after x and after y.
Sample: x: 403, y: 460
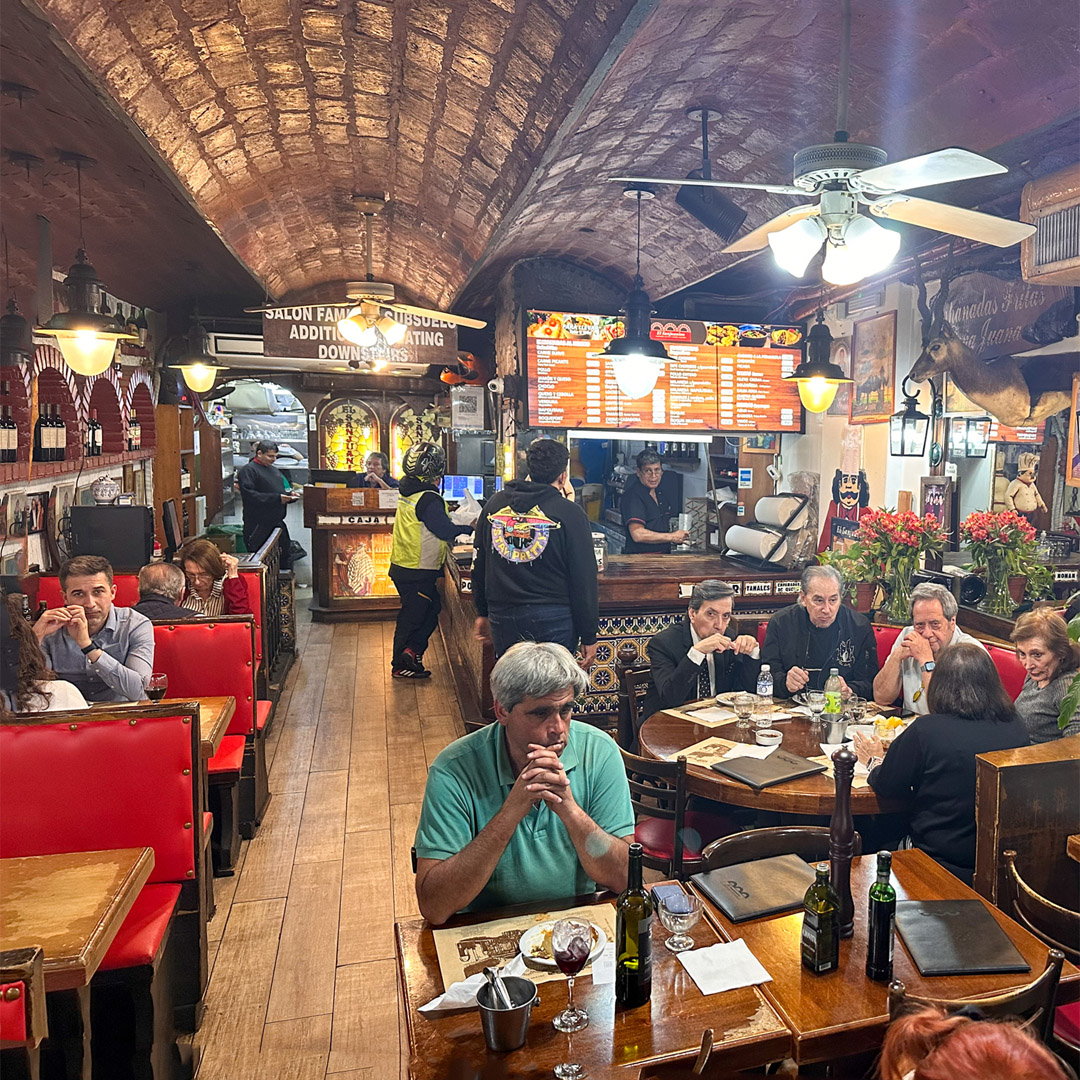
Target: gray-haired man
x: 910, y: 665
x: 161, y: 588
x: 534, y: 807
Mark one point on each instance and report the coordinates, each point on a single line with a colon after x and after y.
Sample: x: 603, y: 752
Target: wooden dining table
x: 214, y: 716
x: 1072, y: 846
x: 72, y: 906
x: 617, y: 1042
x: 665, y: 733
x: 841, y: 1013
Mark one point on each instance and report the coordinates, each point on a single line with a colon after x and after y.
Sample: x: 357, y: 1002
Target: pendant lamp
x: 817, y: 377
x: 636, y: 359
x: 198, y: 364
x: 14, y: 337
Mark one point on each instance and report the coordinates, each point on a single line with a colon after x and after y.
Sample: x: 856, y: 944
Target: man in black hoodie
x: 534, y: 578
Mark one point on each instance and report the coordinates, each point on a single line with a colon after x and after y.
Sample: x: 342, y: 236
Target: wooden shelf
x: 17, y: 470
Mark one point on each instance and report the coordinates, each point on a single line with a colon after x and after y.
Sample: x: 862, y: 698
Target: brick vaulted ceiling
x: 491, y: 124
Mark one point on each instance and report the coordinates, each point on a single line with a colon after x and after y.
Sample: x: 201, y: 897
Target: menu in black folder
x: 955, y: 937
x: 777, y: 768
x: 761, y: 887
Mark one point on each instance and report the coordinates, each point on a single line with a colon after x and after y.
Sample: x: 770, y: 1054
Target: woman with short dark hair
x: 931, y: 764
x: 213, y: 579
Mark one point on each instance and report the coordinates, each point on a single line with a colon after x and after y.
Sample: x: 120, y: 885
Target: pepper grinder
x: 842, y: 839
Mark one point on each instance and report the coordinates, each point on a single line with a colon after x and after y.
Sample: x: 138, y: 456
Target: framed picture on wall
x: 873, y: 369
x: 765, y: 442
x: 936, y: 497
x: 1072, y: 457
x: 840, y: 354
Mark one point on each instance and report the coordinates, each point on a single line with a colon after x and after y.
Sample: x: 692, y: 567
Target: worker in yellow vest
x: 422, y: 533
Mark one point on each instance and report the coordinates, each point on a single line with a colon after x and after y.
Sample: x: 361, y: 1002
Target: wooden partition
x: 1029, y: 800
x: 275, y: 616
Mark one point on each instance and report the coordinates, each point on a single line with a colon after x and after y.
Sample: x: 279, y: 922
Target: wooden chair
x: 658, y: 792
x: 23, y: 1022
x: 1032, y: 1004
x: 809, y: 842
x: 633, y: 686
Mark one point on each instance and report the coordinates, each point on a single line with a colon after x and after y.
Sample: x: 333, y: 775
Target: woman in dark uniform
x: 648, y: 505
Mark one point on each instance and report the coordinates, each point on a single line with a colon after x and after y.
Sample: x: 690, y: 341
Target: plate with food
x: 726, y: 335
x: 785, y: 337
x: 752, y: 334
x: 535, y: 945
x: 729, y: 696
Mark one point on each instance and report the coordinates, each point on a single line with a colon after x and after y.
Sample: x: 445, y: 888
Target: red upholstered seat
x: 1009, y: 668
x: 253, y: 580
x: 127, y: 590
x: 13, y: 1012
x: 1067, y: 1024
x: 140, y: 937
x: 886, y: 637
x: 655, y: 835
x: 229, y: 757
x: 762, y: 627
x: 262, y: 713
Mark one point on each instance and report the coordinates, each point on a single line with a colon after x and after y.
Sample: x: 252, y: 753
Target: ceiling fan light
x: 391, y: 329
x: 795, y: 246
x: 355, y: 328
x: 866, y: 250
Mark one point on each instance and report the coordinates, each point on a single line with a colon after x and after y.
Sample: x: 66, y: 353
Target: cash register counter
x: 351, y: 532
x: 639, y: 596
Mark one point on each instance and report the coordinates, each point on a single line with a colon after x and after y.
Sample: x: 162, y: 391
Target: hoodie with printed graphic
x: 533, y: 546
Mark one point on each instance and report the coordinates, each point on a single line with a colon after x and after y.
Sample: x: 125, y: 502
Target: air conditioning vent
x: 1052, y: 204
x: 1057, y: 238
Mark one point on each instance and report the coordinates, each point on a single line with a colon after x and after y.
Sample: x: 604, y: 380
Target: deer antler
x: 924, y: 307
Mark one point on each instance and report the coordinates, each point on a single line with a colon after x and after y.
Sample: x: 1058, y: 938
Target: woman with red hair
x: 928, y: 1045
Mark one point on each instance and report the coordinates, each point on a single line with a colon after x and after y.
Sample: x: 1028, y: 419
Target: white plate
x: 728, y: 698
x: 534, y: 937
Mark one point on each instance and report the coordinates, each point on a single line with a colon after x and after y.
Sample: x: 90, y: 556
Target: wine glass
x: 157, y: 686
x: 680, y: 914
x: 744, y: 709
x: 816, y: 700
x: 571, y: 943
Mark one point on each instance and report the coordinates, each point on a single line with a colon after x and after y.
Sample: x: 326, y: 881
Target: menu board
x: 719, y: 376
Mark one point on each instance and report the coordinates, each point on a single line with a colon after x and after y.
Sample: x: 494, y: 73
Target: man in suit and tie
x: 695, y: 658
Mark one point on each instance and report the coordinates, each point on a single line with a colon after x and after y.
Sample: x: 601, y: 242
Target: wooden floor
x: 303, y: 979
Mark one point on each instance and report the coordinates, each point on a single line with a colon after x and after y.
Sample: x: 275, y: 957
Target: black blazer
x: 674, y: 676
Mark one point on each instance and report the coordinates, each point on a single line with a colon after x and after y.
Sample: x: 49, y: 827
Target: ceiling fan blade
x: 428, y: 313
x: 776, y: 189
x: 940, y: 167
x: 291, y: 307
x: 971, y: 224
x: 758, y: 238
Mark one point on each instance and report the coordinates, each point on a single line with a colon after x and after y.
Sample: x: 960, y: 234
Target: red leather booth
x: 1009, y: 668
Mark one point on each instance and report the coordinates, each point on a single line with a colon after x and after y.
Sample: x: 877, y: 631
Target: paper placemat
x: 704, y: 753
x: 466, y: 950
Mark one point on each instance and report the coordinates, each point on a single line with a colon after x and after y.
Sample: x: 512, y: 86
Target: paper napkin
x: 462, y: 995
x: 726, y: 966
x: 746, y: 750
x: 828, y: 749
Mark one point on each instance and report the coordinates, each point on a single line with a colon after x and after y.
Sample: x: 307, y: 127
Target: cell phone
x: 672, y: 894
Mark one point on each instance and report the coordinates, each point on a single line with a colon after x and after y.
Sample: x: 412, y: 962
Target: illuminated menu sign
x: 1002, y: 433
x: 719, y: 376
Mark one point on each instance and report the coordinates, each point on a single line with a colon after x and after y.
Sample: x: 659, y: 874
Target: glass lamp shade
x: 866, y: 250
x: 84, y: 351
x: 356, y: 328
x: 636, y: 359
x: 795, y: 246
x: 817, y: 393
x: 908, y: 430
x: 198, y: 376
x: 391, y: 329
x: 636, y: 373
x: 978, y: 437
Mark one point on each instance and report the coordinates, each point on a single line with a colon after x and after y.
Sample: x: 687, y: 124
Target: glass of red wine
x: 571, y: 943
x: 157, y: 686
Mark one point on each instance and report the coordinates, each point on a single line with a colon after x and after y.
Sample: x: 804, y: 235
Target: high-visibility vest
x: 415, y: 546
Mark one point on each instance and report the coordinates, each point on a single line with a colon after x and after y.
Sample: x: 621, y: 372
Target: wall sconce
x: 978, y: 437
x: 909, y: 427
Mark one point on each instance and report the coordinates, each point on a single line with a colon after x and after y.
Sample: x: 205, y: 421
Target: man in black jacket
x: 805, y: 641
x: 534, y: 578
x: 262, y: 491
x: 695, y: 658
x: 161, y: 588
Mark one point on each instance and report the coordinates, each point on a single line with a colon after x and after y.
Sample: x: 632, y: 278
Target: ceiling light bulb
x: 378, y: 365
x: 817, y: 393
x: 866, y: 250
x: 795, y: 246
x: 86, y: 353
x: 636, y: 374
x: 199, y: 377
x: 355, y: 328
x: 391, y: 329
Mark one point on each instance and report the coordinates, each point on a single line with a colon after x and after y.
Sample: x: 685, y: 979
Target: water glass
x: 816, y: 700
x: 857, y: 709
x: 763, y: 708
x: 744, y: 709
x: 680, y: 914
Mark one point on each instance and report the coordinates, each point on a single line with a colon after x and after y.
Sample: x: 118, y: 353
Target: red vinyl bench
x: 208, y: 658
x: 23, y: 1022
x: 99, y: 779
x: 1010, y: 669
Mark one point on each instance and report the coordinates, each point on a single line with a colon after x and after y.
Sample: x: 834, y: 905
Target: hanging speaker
x: 712, y: 208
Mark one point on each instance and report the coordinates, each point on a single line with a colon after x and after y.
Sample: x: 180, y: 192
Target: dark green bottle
x: 821, y: 925
x: 633, y: 938
x: 881, y: 922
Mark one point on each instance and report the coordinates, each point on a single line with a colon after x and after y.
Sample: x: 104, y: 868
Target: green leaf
x: 1071, y: 700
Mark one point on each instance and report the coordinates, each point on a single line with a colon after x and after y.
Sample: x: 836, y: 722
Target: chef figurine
x: 1022, y: 495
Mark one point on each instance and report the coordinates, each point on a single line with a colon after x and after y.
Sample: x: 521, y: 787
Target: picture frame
x: 764, y: 442
x: 937, y: 497
x: 60, y: 503
x: 840, y: 355
x: 1072, y: 456
x: 873, y: 369
x: 37, y: 509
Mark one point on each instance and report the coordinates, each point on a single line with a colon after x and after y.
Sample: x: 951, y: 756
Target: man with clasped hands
x: 533, y: 807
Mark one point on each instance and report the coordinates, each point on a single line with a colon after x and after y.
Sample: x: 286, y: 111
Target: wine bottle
x: 881, y: 922
x: 821, y: 925
x: 832, y: 692
x: 633, y: 938
x: 98, y: 433
x: 61, y: 435
x: 39, y: 435
x: 10, y: 439
x: 138, y: 430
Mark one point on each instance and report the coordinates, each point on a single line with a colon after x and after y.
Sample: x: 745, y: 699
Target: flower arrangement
x: 1003, y: 544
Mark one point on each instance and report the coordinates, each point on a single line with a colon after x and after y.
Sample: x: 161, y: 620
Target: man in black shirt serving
x: 648, y: 505
x: 805, y: 641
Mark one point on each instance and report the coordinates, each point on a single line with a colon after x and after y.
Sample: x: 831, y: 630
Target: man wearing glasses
x: 648, y: 506
x: 804, y: 642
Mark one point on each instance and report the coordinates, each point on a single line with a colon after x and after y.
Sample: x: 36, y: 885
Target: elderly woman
x: 31, y: 686
x: 214, y: 585
x: 378, y: 472
x: 931, y: 764
x: 1051, y: 660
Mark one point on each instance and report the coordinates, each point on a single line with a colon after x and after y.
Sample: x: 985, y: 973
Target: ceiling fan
x: 848, y: 175
x: 369, y: 300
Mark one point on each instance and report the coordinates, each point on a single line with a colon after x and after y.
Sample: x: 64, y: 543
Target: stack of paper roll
x: 776, y: 509
x: 755, y: 542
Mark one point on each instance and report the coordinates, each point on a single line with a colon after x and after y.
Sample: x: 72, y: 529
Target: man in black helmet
x: 422, y: 532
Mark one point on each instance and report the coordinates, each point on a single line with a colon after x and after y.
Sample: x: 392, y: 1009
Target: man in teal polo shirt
x: 534, y: 807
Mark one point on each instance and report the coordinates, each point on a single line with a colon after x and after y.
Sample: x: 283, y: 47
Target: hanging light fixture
x: 198, y: 364
x: 86, y: 338
x: 909, y: 427
x: 978, y: 437
x: 358, y: 326
x: 15, y: 344
x: 636, y: 359
x: 817, y: 377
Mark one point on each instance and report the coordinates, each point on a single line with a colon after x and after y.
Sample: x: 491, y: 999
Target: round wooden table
x: 665, y: 734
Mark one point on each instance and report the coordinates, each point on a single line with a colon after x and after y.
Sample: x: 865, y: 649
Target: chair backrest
x: 762, y: 629
x: 210, y: 658
x: 23, y: 1020
x: 127, y: 590
x: 635, y: 685
x: 658, y: 790
x: 1056, y: 925
x: 1032, y: 1004
x: 885, y: 636
x: 89, y: 780
x: 1009, y: 668
x: 809, y: 842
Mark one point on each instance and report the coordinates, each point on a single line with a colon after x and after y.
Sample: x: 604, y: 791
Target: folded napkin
x: 828, y: 749
x: 725, y: 966
x: 746, y: 750
x: 712, y: 716
x: 462, y: 995
x: 802, y: 710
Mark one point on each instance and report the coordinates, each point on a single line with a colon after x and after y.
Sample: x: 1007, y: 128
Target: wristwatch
x: 929, y: 666
x: 90, y: 648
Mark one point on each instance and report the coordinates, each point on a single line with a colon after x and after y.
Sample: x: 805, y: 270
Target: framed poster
x: 873, y: 369
x: 840, y: 355
x: 936, y: 497
x: 1072, y: 457
x: 764, y: 443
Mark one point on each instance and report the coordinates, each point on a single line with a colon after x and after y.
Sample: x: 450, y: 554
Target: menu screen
x: 719, y: 376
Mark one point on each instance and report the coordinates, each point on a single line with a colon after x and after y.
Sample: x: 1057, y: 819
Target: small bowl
x: 768, y: 737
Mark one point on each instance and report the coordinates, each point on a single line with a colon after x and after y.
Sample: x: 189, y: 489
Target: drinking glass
x: 763, y: 708
x: 680, y: 914
x: 816, y: 700
x: 157, y: 686
x: 744, y: 709
x: 857, y: 708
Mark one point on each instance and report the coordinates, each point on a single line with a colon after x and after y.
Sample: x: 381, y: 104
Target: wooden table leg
x: 65, y: 1054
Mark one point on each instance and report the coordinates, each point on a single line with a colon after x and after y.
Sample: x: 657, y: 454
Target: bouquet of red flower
x: 1003, y: 545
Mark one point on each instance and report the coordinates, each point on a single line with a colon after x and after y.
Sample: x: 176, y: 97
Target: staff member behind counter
x: 647, y: 507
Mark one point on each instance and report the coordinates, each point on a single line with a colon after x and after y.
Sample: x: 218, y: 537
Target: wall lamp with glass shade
x: 909, y: 427
x: 817, y: 377
x: 198, y: 365
x: 978, y: 436
x: 636, y: 358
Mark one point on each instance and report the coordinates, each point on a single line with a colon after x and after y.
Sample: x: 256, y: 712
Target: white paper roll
x: 776, y: 509
x: 755, y: 542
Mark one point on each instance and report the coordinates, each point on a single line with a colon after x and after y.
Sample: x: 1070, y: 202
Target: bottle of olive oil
x: 821, y: 925
x: 881, y: 921
x: 633, y: 938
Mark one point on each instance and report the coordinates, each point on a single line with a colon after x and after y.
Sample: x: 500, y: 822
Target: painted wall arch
x: 348, y: 432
